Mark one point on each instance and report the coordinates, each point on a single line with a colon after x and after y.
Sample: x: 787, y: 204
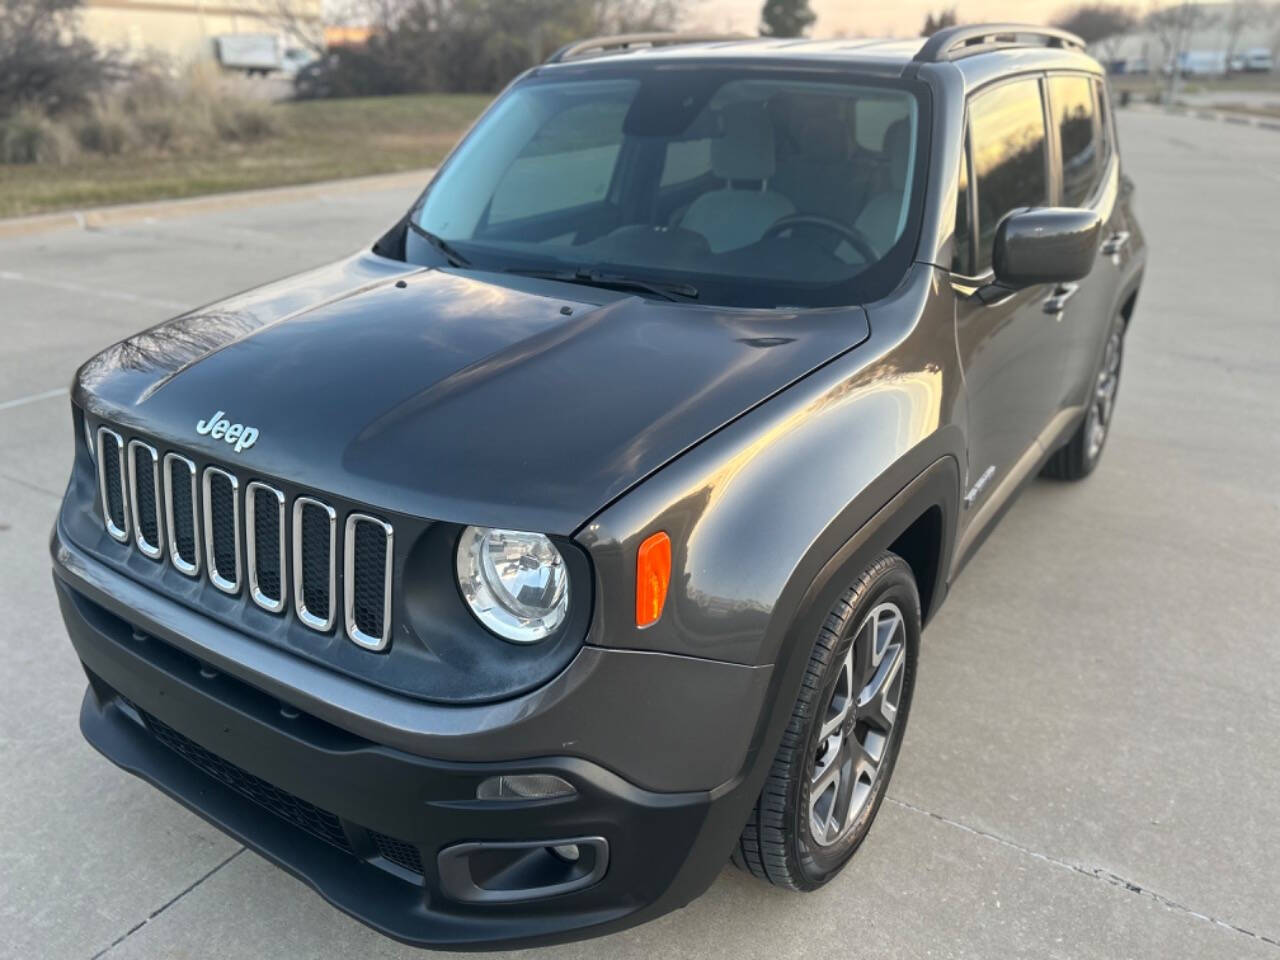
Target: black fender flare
x: 936, y: 487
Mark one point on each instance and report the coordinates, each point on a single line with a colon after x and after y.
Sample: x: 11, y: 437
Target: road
x: 1091, y: 767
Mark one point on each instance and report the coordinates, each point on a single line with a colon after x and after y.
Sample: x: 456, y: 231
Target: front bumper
x: 388, y: 835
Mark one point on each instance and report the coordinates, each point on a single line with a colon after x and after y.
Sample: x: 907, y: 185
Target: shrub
x: 106, y: 128
x: 151, y: 110
x: 246, y: 121
x: 29, y: 135
x: 43, y: 59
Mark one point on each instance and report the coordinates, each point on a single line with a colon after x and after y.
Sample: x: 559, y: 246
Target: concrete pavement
x: 1091, y: 765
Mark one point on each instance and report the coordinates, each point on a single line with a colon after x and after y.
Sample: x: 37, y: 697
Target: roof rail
x: 597, y: 46
x: 955, y: 42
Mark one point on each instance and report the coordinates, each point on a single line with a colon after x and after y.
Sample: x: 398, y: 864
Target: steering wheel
x: 855, y: 237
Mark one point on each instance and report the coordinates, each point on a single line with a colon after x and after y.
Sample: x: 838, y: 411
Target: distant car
x: 1202, y: 63
x: 1256, y: 60
x: 505, y: 579
x: 1132, y: 65
x: 261, y: 53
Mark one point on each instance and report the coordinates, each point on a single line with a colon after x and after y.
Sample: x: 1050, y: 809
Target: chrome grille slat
x: 163, y: 504
x: 111, y: 484
x: 145, y: 488
x: 183, y: 525
x: 367, y: 580
x: 265, y: 556
x: 314, y: 580
x: 215, y: 534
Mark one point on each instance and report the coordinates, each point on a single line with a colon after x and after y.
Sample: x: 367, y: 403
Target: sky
x: 873, y: 18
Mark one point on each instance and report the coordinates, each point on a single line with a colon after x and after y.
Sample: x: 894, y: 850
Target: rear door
x: 1010, y: 348
x: 1085, y: 146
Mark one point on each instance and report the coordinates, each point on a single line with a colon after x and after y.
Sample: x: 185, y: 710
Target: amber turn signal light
x: 653, y: 574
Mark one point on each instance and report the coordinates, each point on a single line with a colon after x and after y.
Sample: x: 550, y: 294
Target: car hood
x: 461, y: 397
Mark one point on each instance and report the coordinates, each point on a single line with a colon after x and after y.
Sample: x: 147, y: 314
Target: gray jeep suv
x: 506, y: 578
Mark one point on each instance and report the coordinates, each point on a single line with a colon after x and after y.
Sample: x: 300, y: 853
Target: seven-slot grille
x: 237, y: 534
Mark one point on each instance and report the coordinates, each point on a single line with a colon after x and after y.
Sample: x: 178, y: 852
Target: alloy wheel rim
x: 1104, y: 396
x: 858, y: 722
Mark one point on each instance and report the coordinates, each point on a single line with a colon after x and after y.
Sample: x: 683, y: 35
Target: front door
x: 1012, y: 347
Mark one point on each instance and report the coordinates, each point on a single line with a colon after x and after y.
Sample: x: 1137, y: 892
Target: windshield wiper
x: 675, y: 292
x: 450, y: 252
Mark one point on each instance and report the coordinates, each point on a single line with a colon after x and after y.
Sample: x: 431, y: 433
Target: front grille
x: 367, y: 573
x: 306, y: 816
x: 397, y: 851
x: 313, y: 561
x: 180, y: 513
x: 264, y: 522
x: 111, y: 483
x: 212, y: 521
x: 222, y: 528
x: 144, y: 497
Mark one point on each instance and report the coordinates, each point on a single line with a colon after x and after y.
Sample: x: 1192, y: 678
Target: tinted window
x: 960, y: 246
x: 1006, y: 130
x: 560, y: 175
x: 580, y: 144
x: 1104, y: 122
x: 1072, y: 99
x: 686, y: 160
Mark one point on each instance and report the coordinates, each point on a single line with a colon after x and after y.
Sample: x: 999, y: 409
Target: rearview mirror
x: 1045, y: 245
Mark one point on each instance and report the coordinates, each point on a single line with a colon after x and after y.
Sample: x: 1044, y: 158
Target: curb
x: 1217, y: 116
x: 96, y: 218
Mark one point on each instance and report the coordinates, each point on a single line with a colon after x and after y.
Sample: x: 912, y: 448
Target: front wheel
x: 839, y: 748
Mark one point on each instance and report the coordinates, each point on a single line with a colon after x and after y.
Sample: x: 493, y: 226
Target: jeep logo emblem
x: 220, y: 428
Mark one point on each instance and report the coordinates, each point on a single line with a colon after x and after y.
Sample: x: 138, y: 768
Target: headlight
x: 515, y: 583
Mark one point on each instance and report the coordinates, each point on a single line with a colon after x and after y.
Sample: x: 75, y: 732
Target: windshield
x: 734, y: 187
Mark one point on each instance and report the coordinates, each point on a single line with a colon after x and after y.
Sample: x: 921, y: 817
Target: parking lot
x: 1093, y: 763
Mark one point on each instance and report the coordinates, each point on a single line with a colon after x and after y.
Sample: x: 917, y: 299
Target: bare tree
x: 1239, y: 17
x: 944, y: 19
x: 44, y: 61
x: 637, y: 16
x: 786, y: 18
x: 303, y: 27
x: 1172, y: 28
x: 1271, y: 20
x: 1104, y: 24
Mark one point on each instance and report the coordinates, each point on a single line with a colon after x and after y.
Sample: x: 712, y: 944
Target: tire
x: 1077, y: 458
x: 794, y: 838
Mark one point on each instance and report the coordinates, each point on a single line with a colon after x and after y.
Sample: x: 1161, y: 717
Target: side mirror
x: 1045, y: 245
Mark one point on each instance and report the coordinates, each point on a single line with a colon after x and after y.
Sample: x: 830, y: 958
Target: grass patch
x: 295, y: 143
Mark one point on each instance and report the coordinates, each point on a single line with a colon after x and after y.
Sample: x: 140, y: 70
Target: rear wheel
x: 1076, y: 459
x: 839, y: 748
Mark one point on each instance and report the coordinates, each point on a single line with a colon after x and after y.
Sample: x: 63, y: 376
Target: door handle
x: 1056, y: 302
x: 1115, y: 243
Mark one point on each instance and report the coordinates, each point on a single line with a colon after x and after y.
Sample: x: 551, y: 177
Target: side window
x: 1007, y: 137
x: 960, y: 253
x: 580, y: 145
x: 1104, y: 121
x: 1080, y: 147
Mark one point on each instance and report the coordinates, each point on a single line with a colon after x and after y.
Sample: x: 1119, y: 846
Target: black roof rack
x: 955, y: 42
x: 598, y: 46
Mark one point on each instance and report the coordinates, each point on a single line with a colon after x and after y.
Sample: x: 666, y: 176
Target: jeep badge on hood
x: 220, y: 428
